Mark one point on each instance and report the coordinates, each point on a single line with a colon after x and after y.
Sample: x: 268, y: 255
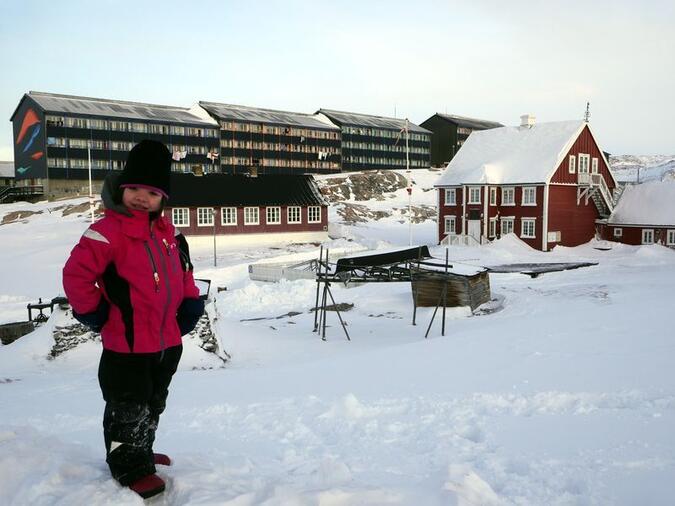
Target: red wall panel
x: 576, y: 223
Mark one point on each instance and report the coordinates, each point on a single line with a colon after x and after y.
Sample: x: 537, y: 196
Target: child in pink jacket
x: 130, y: 278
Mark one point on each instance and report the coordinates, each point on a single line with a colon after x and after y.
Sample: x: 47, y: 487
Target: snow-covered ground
x: 564, y: 395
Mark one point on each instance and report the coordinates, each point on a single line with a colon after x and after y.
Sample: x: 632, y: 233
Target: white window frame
x: 594, y: 165
x: 584, y: 163
x: 492, y: 228
x: 450, y: 197
x: 670, y: 237
x: 290, y: 211
x: 503, y: 221
x: 317, y: 210
x: 180, y: 216
x: 572, y: 165
x: 205, y: 217
x: 618, y: 232
x: 449, y: 225
x: 526, y: 190
x: 270, y: 218
x: 512, y: 191
x: 650, y: 232
x: 472, y: 191
x: 228, y: 212
x: 533, y: 221
x: 251, y: 216
x: 493, y: 195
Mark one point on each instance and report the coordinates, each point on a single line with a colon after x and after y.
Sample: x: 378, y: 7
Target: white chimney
x: 527, y: 120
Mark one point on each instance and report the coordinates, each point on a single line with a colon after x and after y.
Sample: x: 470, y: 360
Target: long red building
x: 548, y: 183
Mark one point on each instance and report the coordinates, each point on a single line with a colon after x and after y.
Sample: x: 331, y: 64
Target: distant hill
x: 651, y: 168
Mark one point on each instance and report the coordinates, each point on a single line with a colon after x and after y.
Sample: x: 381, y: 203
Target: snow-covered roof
x: 512, y: 155
x: 7, y: 169
x: 651, y: 203
x: 259, y: 115
x: 344, y: 118
x: 71, y: 104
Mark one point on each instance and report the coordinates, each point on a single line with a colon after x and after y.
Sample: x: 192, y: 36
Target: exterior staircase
x: 14, y: 193
x: 595, y: 187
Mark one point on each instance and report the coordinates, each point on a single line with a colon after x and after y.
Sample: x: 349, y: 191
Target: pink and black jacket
x: 130, y: 278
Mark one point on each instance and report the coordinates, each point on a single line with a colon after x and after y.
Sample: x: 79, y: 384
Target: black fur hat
x: 148, y: 165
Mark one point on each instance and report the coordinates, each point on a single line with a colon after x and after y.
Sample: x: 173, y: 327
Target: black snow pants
x: 135, y: 387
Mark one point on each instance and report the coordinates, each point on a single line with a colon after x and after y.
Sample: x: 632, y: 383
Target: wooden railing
x: 460, y: 240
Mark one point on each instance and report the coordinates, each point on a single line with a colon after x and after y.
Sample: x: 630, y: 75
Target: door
x: 473, y: 229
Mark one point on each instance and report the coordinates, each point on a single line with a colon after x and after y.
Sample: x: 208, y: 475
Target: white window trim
x: 587, y: 164
x: 522, y: 196
x: 511, y: 219
x: 471, y: 189
x: 309, y: 214
x: 534, y: 227
x: 210, y: 224
x: 187, y: 214
x: 446, y: 220
x: 513, y: 190
x: 492, y: 228
x: 644, y: 230
x: 257, y: 222
x: 453, y: 201
x: 493, y: 196
x: 572, y: 164
x: 222, y: 217
x: 618, y: 232
x: 288, y: 215
x: 594, y: 165
x: 670, y: 237
x: 267, y: 215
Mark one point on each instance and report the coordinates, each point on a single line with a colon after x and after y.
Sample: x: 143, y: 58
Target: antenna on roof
x: 587, y: 114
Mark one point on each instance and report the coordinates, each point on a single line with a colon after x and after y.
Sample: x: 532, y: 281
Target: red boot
x: 148, y: 486
x: 161, y: 459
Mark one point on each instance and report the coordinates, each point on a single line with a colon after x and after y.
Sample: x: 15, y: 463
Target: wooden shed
x: 435, y: 284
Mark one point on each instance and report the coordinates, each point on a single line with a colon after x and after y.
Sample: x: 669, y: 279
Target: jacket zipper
x: 155, y: 275
x: 168, y: 292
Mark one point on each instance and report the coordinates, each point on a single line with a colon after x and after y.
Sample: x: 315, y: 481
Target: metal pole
x: 91, y: 193
x: 318, y: 282
x: 213, y: 217
x: 445, y: 291
x: 409, y: 189
x: 344, y: 327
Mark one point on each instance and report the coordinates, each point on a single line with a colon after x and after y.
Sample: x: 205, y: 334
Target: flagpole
x: 91, y: 193
x: 409, y: 189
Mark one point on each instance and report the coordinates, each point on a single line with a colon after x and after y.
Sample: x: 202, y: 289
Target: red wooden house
x: 548, y: 183
x: 288, y: 207
x: 644, y: 215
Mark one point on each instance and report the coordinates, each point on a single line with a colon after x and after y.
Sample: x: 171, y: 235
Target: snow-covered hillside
x: 563, y: 395
x: 650, y: 168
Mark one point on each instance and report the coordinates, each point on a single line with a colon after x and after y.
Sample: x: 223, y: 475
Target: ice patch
x: 469, y: 488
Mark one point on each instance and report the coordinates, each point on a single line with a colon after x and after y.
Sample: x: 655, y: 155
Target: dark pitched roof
x: 269, y: 116
x: 55, y: 103
x: 366, y: 120
x: 215, y: 190
x: 477, y: 124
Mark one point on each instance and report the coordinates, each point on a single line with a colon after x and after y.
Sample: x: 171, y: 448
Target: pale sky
x: 487, y: 59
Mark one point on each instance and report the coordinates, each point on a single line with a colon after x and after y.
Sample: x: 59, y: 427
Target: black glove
x: 189, y: 313
x: 97, y: 318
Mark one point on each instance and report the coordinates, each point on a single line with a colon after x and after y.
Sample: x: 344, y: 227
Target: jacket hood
x: 111, y: 194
